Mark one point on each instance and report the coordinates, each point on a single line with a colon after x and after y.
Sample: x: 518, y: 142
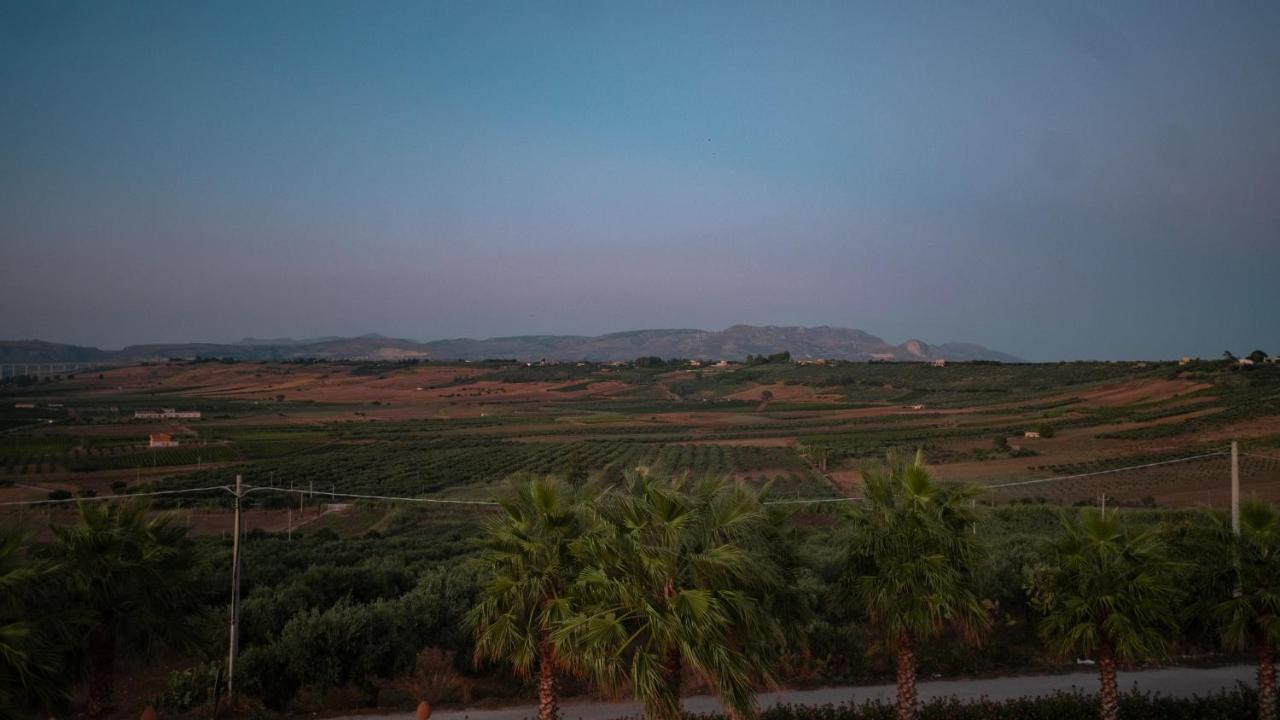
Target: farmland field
x: 456, y: 430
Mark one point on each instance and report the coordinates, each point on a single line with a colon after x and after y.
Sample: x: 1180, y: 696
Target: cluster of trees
x: 782, y: 358
x: 116, y: 582
x: 634, y: 586
x: 639, y: 587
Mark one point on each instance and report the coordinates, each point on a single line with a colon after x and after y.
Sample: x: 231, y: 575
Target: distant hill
x: 734, y: 343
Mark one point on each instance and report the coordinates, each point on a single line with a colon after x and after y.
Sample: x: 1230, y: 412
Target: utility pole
x: 235, y: 602
x: 1235, y: 487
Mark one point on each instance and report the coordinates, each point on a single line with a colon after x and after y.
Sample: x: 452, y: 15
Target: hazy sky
x: 1063, y: 180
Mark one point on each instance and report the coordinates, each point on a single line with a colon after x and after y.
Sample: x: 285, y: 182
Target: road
x: 1178, y: 682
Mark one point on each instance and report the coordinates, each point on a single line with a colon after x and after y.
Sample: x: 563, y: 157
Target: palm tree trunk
x: 1267, y: 682
x: 906, y: 709
x: 673, y: 674
x: 548, y: 693
x: 102, y: 670
x: 1108, y: 693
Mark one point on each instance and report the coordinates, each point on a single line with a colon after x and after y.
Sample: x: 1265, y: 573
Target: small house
x: 1031, y: 434
x: 918, y: 406
x: 939, y: 362
x: 162, y: 440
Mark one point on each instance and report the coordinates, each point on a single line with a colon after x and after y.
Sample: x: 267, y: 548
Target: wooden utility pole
x: 1235, y: 487
x: 235, y: 603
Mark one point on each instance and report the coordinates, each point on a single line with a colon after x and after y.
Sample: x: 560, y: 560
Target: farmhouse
x: 1031, y: 434
x: 162, y: 440
x: 1244, y: 362
x: 918, y: 406
x: 24, y: 406
x: 940, y: 362
x: 167, y: 414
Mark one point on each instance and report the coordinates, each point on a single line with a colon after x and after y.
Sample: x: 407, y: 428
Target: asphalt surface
x: 1175, y: 682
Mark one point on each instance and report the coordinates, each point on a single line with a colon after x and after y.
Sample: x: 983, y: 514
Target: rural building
x: 881, y: 357
x: 167, y: 414
x: 1031, y: 434
x: 1244, y: 362
x: 940, y: 362
x: 25, y: 406
x: 162, y: 440
x: 1186, y: 360
x: 918, y: 406
x: 1272, y: 360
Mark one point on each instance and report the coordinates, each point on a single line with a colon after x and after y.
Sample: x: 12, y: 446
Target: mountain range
x: 733, y: 343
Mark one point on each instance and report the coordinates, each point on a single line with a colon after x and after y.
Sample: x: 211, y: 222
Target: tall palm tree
x: 1107, y: 591
x: 911, y: 564
x: 134, y: 578
x: 35, y: 633
x: 678, y: 575
x: 1249, y: 611
x: 533, y: 572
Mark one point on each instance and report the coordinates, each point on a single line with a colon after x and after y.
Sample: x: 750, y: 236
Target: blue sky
x: 1056, y: 180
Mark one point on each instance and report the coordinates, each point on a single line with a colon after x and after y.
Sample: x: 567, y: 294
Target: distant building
x: 167, y: 414
x: 881, y: 357
x: 1186, y: 360
x: 940, y: 362
x: 162, y: 440
x: 1272, y: 360
x: 1244, y: 362
x: 25, y: 406
x: 1031, y: 434
x: 918, y: 406
x: 722, y: 363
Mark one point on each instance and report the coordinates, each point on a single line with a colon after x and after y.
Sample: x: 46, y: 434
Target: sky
x: 1054, y: 180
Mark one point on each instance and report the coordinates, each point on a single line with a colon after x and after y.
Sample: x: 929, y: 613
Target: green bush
x: 193, y: 687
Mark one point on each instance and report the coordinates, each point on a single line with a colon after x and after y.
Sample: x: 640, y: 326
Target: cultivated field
x: 455, y: 430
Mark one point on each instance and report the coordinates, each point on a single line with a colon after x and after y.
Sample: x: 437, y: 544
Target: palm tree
x: 677, y: 575
x: 528, y: 547
x: 134, y: 578
x: 911, y: 564
x: 1107, y: 591
x: 1249, y: 612
x: 34, y: 633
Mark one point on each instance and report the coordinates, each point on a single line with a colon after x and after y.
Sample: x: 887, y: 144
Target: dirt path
x: 1175, y: 682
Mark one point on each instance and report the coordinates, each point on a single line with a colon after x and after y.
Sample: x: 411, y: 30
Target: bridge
x: 42, y: 370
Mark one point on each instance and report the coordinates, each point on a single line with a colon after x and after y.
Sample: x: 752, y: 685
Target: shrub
x: 193, y: 687
x: 1239, y: 704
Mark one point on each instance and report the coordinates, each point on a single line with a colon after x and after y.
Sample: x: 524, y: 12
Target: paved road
x: 1180, y: 682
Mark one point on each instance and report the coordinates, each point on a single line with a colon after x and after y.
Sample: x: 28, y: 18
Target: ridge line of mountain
x: 733, y: 343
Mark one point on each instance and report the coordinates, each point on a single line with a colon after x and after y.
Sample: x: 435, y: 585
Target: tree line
x: 635, y: 587
x: 639, y: 587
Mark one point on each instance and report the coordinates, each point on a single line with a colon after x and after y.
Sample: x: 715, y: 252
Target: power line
x: 490, y: 503
x: 356, y: 496
x: 118, y: 497
x: 810, y: 501
x: 1101, y: 472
